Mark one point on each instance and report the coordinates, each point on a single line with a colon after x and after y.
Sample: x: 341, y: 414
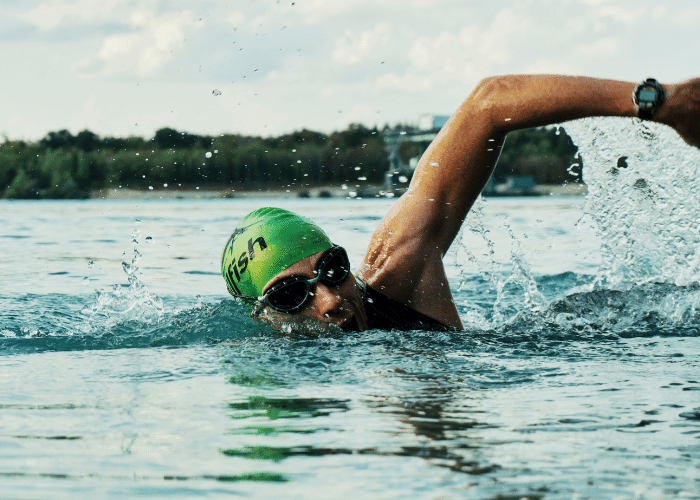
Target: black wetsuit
x: 385, y: 313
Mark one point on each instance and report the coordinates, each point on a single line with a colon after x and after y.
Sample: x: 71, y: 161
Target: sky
x: 268, y: 67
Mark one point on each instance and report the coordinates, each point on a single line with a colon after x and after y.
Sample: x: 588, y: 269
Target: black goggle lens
x: 334, y: 267
x: 291, y: 294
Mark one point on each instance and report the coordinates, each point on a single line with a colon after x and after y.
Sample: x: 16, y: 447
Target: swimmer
x: 287, y: 265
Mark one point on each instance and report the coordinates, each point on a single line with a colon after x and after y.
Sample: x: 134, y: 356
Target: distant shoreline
x: 193, y: 193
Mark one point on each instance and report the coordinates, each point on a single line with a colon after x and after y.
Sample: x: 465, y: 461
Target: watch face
x: 647, y: 95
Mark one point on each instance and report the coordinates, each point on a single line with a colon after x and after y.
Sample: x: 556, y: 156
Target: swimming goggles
x: 292, y: 294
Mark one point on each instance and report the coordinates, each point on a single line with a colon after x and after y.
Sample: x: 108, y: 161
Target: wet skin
x: 341, y: 305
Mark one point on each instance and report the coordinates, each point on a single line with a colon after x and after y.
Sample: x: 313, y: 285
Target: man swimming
x: 288, y: 265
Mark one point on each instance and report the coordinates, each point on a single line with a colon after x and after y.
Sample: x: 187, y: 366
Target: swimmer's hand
x: 682, y: 110
x: 296, y: 323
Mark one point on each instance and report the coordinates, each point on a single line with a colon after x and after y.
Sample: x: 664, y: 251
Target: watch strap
x: 645, y: 114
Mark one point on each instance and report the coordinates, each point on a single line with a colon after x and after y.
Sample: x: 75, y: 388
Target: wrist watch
x: 648, y: 96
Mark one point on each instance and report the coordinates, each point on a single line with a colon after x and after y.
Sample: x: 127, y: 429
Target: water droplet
x: 149, y: 239
x: 216, y: 92
x: 362, y: 178
x: 208, y: 154
x: 370, y: 300
x: 86, y: 280
x: 150, y: 188
x: 135, y: 237
x: 507, y: 119
x: 352, y: 194
x: 165, y: 185
x: 138, y: 222
x: 298, y: 161
x: 434, y: 164
x: 403, y: 178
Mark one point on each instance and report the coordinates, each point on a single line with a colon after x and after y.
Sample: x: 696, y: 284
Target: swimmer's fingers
x: 682, y: 110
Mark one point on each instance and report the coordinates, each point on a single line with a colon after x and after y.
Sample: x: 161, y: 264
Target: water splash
x: 126, y: 303
x: 642, y: 195
x: 643, y: 189
x: 507, y: 279
x: 642, y: 198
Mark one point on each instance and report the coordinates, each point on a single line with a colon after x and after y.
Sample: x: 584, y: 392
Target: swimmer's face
x: 340, y: 305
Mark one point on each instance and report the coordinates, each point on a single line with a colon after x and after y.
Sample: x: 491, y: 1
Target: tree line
x: 63, y: 165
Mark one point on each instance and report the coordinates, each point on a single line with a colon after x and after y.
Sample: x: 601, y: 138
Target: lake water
x: 127, y: 372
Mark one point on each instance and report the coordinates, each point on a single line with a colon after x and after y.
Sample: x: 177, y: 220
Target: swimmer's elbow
x: 489, y: 98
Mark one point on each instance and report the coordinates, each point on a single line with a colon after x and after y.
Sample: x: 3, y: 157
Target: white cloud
x: 297, y: 65
x: 623, y: 14
x: 88, y: 115
x: 408, y: 82
x: 605, y: 48
x: 235, y: 18
x: 472, y: 53
x: 359, y: 113
x: 659, y: 12
x: 687, y: 17
x: 352, y: 49
x: 547, y: 67
x: 54, y: 13
x: 144, y: 52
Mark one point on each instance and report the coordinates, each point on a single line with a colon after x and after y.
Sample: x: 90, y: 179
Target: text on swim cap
x: 237, y: 268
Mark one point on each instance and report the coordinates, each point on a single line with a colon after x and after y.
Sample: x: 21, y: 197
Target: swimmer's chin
x: 352, y: 326
x: 300, y: 324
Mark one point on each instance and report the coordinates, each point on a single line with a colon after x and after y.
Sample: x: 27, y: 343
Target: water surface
x: 127, y: 372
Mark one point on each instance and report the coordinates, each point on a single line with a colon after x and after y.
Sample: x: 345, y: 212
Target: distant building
x: 399, y: 173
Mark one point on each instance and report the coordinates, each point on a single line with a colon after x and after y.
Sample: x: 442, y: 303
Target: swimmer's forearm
x: 515, y: 102
x: 508, y: 103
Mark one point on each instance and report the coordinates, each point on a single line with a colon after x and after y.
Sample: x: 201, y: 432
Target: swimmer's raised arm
x: 404, y: 258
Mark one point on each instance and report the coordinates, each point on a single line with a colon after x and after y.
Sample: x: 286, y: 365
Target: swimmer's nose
x: 326, y: 301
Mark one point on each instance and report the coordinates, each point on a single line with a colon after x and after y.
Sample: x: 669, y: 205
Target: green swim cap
x: 264, y: 243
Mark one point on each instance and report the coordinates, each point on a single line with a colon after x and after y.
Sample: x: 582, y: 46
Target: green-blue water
x: 577, y: 376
